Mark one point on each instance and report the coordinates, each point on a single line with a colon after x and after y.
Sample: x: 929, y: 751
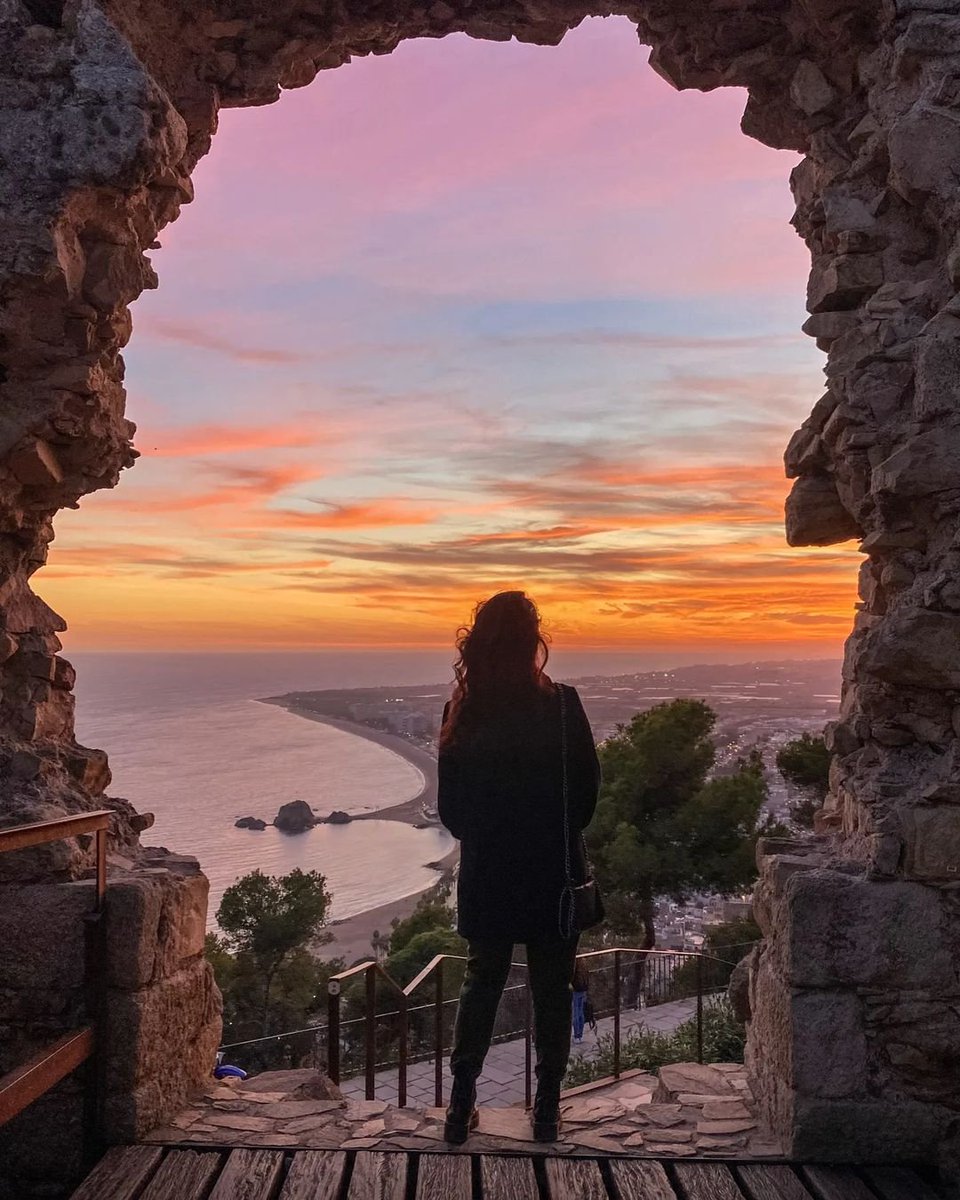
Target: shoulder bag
x: 581, y: 905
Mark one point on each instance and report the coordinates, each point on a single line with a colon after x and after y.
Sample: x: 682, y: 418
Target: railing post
x: 370, y: 1034
x: 96, y: 998
x: 616, y: 1014
x: 699, y: 1008
x: 333, y: 1030
x: 527, y: 1046
x: 402, y: 1067
x: 438, y: 1038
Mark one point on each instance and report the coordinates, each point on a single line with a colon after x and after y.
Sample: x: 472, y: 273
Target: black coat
x: 501, y: 795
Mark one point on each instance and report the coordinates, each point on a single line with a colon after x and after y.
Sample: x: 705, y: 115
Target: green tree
x: 804, y: 763
x: 267, y: 920
x: 431, y: 913
x: 663, y: 827
x: 407, y: 963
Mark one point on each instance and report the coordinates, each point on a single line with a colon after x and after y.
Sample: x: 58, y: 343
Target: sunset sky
x: 470, y: 316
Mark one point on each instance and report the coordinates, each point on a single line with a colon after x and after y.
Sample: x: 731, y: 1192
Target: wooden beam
x: 120, y: 1174
x: 771, y: 1182
x: 836, y: 1183
x: 899, y: 1183
x: 706, y: 1181
x: 184, y: 1175
x: 315, y: 1175
x: 574, y: 1179
x: 42, y: 1071
x: 20, y: 837
x: 503, y: 1178
x: 378, y: 1176
x: 444, y: 1177
x: 249, y: 1175
x: 640, y: 1179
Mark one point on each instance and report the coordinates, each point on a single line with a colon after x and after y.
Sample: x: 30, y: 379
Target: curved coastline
x: 409, y: 811
x: 352, y: 935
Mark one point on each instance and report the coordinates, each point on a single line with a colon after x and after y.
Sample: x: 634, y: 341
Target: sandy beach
x: 352, y: 935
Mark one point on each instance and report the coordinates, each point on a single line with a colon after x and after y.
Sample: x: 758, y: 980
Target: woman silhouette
x: 501, y: 793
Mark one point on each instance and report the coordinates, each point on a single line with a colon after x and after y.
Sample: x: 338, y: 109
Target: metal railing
x: 26, y: 1083
x: 655, y: 974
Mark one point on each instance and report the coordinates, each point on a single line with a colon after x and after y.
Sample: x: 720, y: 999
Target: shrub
x: 723, y: 1041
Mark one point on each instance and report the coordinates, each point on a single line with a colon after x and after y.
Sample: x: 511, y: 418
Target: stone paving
x: 687, y: 1110
x: 502, y: 1082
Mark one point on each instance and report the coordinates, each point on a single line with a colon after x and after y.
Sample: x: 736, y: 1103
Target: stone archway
x: 107, y: 107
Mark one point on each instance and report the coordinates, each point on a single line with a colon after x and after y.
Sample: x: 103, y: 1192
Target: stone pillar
x: 855, y: 1037
x: 161, y: 1027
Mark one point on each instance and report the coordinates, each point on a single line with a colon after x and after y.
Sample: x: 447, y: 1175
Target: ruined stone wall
x: 160, y: 1022
x: 106, y: 108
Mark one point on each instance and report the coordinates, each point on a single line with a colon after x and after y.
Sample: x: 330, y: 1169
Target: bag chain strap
x: 565, y: 921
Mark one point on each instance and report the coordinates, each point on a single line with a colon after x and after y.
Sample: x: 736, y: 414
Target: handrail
x: 373, y: 970
x: 48, y: 1066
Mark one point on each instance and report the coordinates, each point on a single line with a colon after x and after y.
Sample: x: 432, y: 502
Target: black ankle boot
x: 546, y: 1114
x: 462, y: 1115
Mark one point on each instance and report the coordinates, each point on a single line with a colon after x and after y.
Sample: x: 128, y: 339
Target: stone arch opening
x: 110, y: 107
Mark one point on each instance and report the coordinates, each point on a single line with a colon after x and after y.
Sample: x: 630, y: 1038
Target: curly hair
x: 501, y: 661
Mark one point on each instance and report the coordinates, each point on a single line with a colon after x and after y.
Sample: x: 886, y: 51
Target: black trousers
x: 550, y: 962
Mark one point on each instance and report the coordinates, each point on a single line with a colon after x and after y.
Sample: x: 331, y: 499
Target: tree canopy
x: 267, y: 923
x: 804, y: 763
x: 664, y: 826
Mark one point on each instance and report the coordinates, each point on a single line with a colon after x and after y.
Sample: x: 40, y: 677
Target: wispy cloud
x: 201, y: 338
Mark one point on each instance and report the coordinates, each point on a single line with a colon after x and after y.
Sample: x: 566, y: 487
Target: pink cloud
x: 648, y: 177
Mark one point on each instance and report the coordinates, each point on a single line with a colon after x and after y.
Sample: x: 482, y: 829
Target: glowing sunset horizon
x: 468, y: 317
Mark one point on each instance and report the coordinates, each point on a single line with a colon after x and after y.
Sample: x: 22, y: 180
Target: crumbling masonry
x: 106, y: 107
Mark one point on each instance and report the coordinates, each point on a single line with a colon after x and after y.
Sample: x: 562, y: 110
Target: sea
x: 189, y: 741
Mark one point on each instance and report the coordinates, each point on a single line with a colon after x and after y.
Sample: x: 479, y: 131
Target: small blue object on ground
x: 225, y: 1071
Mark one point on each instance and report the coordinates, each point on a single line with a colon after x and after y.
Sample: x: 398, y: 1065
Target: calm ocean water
x: 188, y: 741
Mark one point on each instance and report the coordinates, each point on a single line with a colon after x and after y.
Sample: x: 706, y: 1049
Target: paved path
x: 502, y: 1081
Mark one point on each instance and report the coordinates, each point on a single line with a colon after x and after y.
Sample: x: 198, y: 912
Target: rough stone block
x: 153, y: 1033
x: 932, y: 837
x: 914, y: 647
x: 928, y: 463
x: 35, y: 464
x: 829, y: 1048
x: 842, y: 282
x: 866, y: 1130
x: 815, y: 515
x: 155, y: 921
x: 923, y: 146
x: 43, y: 935
x: 839, y: 930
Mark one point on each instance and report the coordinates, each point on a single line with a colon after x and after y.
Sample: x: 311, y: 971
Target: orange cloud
x: 196, y: 440
x: 371, y: 514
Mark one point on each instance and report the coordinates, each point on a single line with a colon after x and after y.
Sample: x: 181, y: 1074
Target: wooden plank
x: 574, y: 1179
x: 444, y: 1177
x: 706, y: 1181
x: 41, y: 1071
x: 315, y: 1175
x: 120, y: 1174
x: 184, y: 1175
x: 771, y: 1182
x: 836, y: 1183
x: 508, y: 1178
x: 899, y: 1183
x: 249, y: 1175
x: 378, y: 1176
x: 639, y: 1179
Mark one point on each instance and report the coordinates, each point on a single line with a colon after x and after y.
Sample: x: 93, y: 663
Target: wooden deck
x: 165, y: 1173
